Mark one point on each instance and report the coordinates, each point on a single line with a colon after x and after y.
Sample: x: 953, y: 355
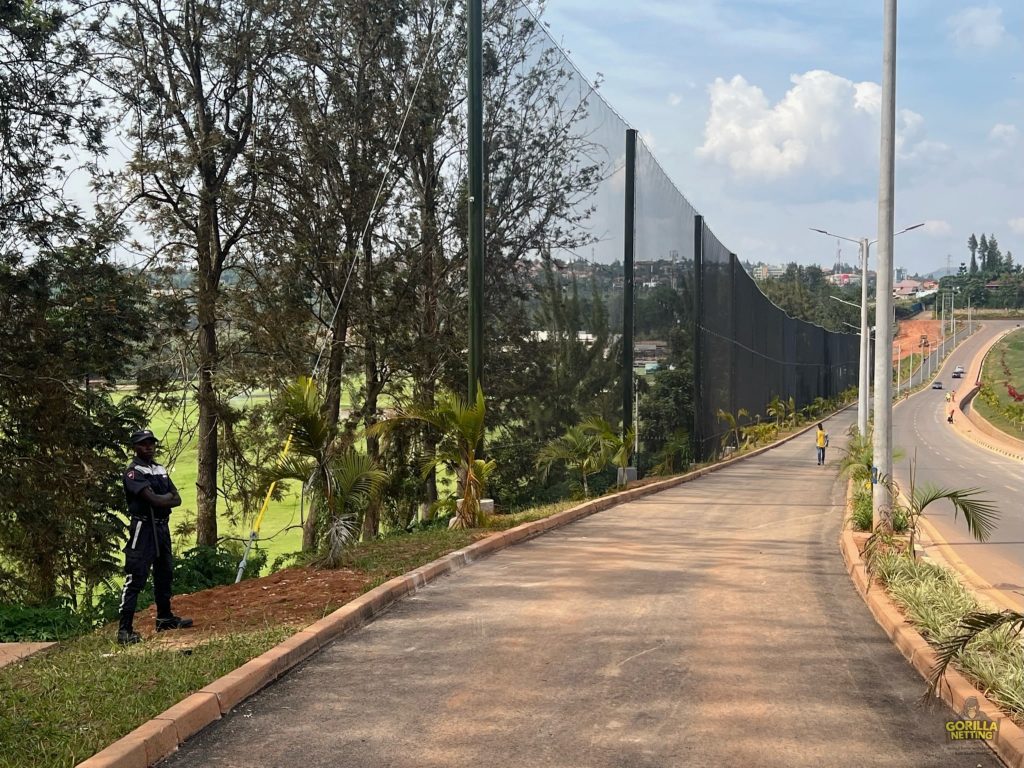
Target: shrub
x: 862, y: 511
x: 40, y: 623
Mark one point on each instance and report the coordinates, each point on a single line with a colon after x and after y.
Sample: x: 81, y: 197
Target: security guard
x: 151, y: 496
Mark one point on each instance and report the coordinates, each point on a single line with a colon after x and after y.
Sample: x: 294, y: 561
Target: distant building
x: 767, y: 271
x: 901, y: 274
x: 843, y: 278
x: 649, y: 351
x: 906, y: 288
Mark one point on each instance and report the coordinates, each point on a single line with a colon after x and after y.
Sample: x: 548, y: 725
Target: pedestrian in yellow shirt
x: 821, y: 440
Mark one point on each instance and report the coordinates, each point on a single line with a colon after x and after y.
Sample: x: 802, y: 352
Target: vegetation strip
x: 966, y: 406
x: 956, y: 688
x: 160, y: 737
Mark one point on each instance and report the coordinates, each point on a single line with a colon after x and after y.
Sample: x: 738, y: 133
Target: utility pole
x: 475, y: 277
x: 942, y: 327
x: 882, y: 454
x: 863, y: 381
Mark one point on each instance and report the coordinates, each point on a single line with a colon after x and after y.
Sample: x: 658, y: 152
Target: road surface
x: 708, y: 625
x: 949, y: 459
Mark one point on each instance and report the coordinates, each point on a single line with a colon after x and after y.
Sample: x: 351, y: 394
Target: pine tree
x: 972, y: 246
x: 983, y: 252
x: 995, y: 256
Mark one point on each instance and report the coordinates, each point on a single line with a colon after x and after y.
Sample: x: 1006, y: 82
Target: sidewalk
x: 711, y: 624
x: 11, y: 652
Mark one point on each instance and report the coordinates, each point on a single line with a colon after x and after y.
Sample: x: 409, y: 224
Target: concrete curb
x: 1009, y: 742
x: 161, y: 736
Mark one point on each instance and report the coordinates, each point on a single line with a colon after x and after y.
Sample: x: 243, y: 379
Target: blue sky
x: 765, y: 114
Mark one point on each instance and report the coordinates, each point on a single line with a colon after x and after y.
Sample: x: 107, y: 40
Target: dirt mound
x: 295, y: 596
x: 910, y: 333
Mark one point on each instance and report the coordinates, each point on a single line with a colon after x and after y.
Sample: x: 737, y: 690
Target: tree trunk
x: 309, y: 530
x: 335, y: 366
x: 206, y: 449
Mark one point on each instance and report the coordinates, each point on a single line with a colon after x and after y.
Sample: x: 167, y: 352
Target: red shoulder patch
x: 131, y: 474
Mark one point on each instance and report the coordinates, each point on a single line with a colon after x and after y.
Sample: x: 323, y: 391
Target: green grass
x: 60, y: 707
x: 994, y: 377
x: 392, y: 556
x: 176, y: 429
x: 934, y: 602
x: 908, y: 365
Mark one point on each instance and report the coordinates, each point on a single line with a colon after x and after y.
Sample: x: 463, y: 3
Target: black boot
x: 128, y: 636
x: 173, y: 622
x: 125, y: 634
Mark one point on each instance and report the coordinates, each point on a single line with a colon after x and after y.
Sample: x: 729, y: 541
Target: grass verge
x: 934, y: 601
x: 1008, y: 352
x: 60, y: 707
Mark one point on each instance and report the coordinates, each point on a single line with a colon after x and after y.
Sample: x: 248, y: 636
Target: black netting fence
x: 606, y: 294
x: 754, y: 362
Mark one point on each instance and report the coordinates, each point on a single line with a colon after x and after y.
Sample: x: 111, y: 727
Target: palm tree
x: 335, y: 477
x: 616, y: 445
x: 776, y: 410
x: 980, y: 515
x: 735, y: 430
x: 858, y: 457
x: 676, y: 449
x: 461, y: 428
x: 579, y: 450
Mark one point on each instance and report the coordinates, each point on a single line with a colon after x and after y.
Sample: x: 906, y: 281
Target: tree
x: 71, y: 324
x: 339, y: 480
x: 47, y: 113
x: 191, y: 80
x: 983, y: 252
x: 972, y: 245
x: 616, y: 445
x: 461, y: 428
x: 995, y: 256
x: 580, y: 450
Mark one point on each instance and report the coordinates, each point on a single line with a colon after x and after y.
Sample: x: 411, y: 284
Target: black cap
x: 142, y: 436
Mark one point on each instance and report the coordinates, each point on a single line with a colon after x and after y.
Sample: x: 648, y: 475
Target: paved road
x: 708, y: 625
x: 947, y: 458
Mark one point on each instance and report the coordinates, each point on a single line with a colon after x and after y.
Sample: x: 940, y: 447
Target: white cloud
x: 938, y: 228
x: 977, y: 27
x: 1004, y: 134
x: 674, y: 99
x: 1017, y: 225
x: 825, y: 127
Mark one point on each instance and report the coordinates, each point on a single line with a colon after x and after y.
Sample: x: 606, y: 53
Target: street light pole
x: 899, y: 366
x: 864, y: 380
x: 882, y: 455
x: 865, y: 342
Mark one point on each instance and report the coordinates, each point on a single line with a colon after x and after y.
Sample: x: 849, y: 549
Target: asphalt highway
x: 946, y: 458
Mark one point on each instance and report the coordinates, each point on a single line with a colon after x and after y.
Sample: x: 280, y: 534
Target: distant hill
x: 940, y: 273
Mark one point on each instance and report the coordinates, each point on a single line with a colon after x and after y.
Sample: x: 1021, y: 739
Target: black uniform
x: 149, y: 540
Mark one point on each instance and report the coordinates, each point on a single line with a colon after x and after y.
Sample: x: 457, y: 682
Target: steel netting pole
x: 476, y: 197
x: 628, y: 255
